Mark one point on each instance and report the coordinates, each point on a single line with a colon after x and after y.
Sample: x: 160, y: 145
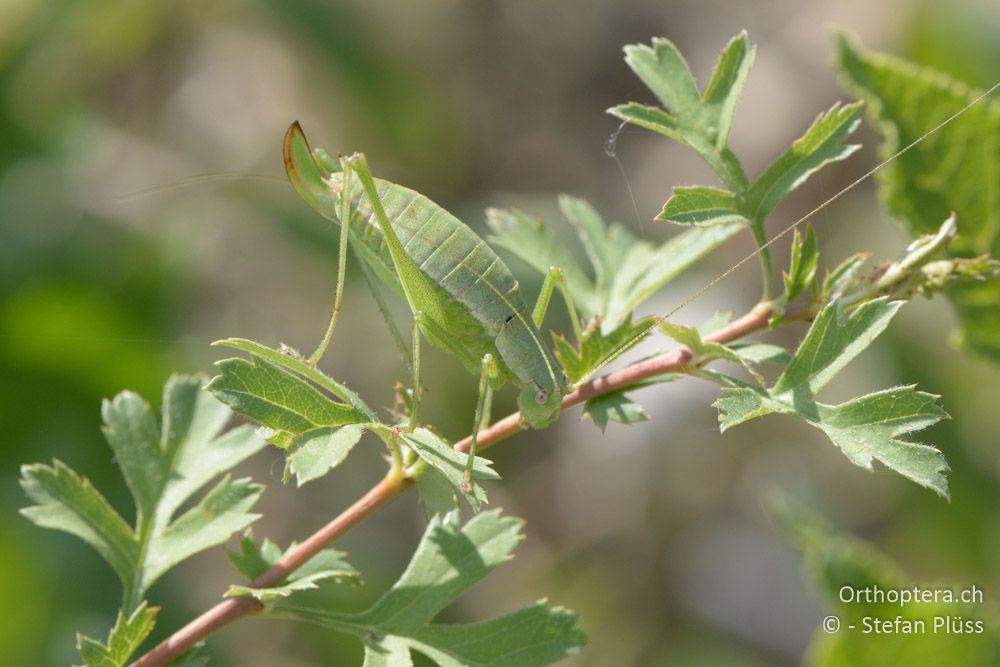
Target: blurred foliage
x: 463, y: 101
x: 957, y: 171
x: 882, y: 608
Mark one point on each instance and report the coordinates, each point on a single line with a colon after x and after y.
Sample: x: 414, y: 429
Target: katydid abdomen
x: 483, y: 311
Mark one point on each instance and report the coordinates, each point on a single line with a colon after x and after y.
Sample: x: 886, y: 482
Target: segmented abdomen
x: 487, y: 307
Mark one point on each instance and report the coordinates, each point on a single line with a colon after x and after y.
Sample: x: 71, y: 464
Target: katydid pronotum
x: 463, y: 298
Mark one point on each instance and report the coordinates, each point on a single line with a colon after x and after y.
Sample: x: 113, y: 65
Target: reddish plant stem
x: 386, y: 490
x: 231, y: 609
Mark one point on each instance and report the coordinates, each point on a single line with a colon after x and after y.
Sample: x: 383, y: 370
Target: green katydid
x: 463, y: 298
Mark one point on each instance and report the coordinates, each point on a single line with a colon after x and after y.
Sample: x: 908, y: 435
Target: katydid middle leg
x: 483, y: 401
x: 418, y: 321
x: 555, y: 278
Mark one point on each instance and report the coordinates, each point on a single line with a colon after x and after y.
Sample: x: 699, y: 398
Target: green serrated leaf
x: 740, y: 404
x: 449, y: 463
x: 701, y: 352
x: 222, y: 512
x: 316, y: 452
x: 300, y: 367
x: 802, y: 271
x: 278, y: 399
x: 447, y: 562
x: 437, y: 494
x: 648, y: 268
x: 627, y: 270
x: 700, y: 121
x: 130, y: 428
x: 760, y: 353
x: 252, y: 561
x: 833, y: 340
x: 723, y: 90
x: 615, y: 406
x: 533, y: 243
x: 125, y: 637
x: 665, y: 72
x: 186, y: 453
x: 195, y: 445
x: 868, y: 427
x: 607, y: 246
x: 70, y: 503
x: 700, y: 206
x: 822, y: 144
x: 865, y: 428
x: 596, y: 347
x: 958, y: 170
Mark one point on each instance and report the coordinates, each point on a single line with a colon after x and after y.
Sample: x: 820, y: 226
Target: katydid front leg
x: 482, y: 400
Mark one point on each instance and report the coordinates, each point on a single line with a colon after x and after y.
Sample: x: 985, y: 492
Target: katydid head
x: 539, y: 407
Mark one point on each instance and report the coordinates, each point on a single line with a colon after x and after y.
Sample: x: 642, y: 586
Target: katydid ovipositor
x: 464, y: 299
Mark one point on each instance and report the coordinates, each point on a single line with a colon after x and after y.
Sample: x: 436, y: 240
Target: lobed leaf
x: 125, y: 637
x: 447, y: 562
x: 195, y: 445
x: 437, y: 494
x: 627, y: 270
x: 740, y: 404
x: 701, y: 206
x: 443, y: 460
x: 833, y: 340
x: 252, y: 561
x: 607, y: 245
x: 223, y: 511
x: 702, y: 121
x: 648, y: 268
x: 185, y: 454
x: 596, y: 348
x: 822, y: 144
x: 865, y: 428
x: 299, y: 366
x: 868, y: 427
x: 70, y: 503
x: 759, y: 353
x: 665, y: 72
x: 316, y: 452
x: 131, y: 430
x: 724, y: 88
x: 278, y: 399
x: 532, y: 242
x: 701, y: 352
x: 615, y: 406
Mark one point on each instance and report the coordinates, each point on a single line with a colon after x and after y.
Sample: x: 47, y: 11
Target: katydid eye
x: 541, y: 396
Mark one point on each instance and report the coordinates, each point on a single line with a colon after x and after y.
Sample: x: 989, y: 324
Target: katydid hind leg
x: 344, y: 213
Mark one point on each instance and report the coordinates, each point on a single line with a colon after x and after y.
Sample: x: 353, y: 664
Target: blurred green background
x: 655, y: 533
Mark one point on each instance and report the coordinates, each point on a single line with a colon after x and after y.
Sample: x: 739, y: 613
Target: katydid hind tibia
x: 462, y: 295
